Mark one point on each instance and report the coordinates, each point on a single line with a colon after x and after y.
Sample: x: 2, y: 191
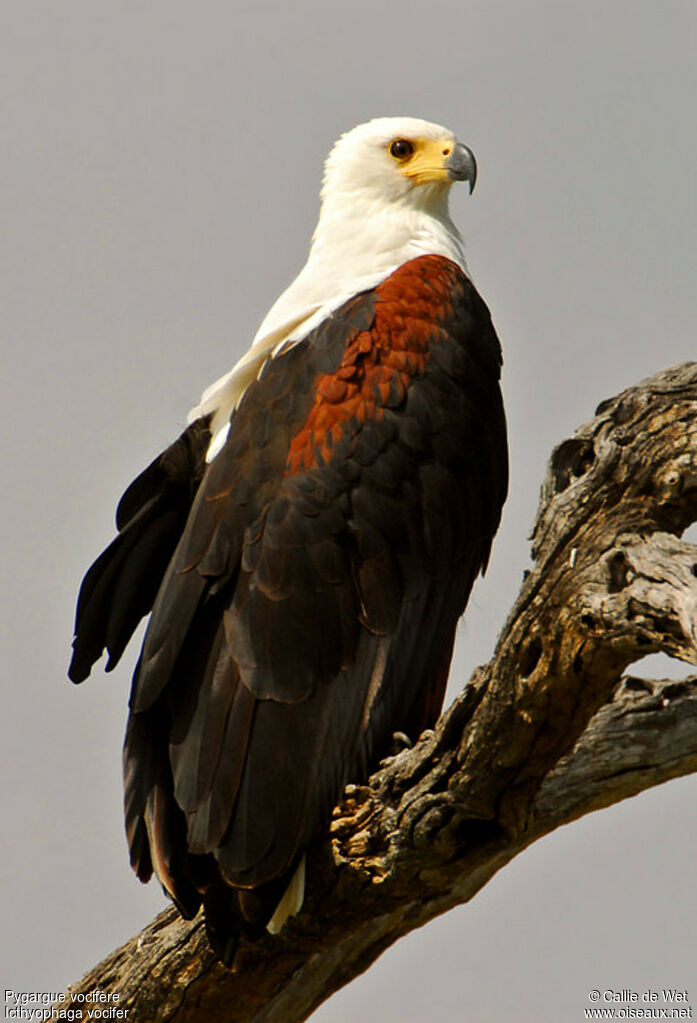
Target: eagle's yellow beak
x: 439, y: 161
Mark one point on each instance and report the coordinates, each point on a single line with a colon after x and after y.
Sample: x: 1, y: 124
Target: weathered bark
x: 547, y: 731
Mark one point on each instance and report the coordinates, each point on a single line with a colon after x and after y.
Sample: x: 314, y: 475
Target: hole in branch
x: 617, y: 568
x: 570, y: 460
x: 637, y: 685
x: 530, y: 658
x: 622, y: 412
x: 675, y: 689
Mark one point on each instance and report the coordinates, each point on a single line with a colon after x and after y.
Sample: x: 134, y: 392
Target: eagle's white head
x: 384, y: 201
x: 400, y: 161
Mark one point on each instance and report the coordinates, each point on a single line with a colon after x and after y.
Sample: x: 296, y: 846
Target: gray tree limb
x: 550, y: 729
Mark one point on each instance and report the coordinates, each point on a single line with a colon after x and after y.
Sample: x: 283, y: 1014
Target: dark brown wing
x: 310, y: 607
x: 121, y: 585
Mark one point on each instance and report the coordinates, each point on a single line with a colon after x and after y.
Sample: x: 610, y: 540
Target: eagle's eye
x: 401, y: 149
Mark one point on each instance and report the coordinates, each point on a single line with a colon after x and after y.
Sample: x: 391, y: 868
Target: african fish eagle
x: 308, y: 544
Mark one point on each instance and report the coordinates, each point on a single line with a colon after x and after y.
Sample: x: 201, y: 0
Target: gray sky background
x: 160, y: 169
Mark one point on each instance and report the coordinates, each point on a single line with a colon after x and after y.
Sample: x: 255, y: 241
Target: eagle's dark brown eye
x: 401, y: 149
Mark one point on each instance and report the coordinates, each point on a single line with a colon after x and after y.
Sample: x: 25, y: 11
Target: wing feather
x: 120, y: 587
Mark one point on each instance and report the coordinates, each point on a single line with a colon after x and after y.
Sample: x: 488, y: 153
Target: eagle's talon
x: 400, y: 743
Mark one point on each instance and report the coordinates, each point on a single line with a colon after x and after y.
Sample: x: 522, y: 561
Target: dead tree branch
x: 547, y: 731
